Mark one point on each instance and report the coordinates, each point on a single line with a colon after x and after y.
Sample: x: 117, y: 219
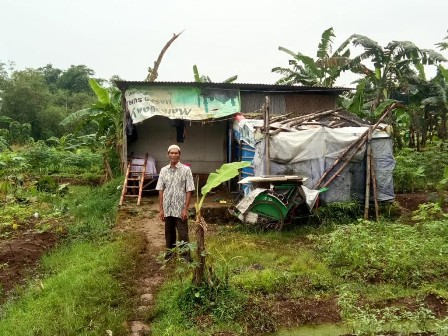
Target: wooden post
x: 374, y: 184
x: 266, y: 138
x: 368, y: 174
x: 360, y: 141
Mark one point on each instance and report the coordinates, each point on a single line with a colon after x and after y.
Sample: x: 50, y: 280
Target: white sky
x: 222, y: 38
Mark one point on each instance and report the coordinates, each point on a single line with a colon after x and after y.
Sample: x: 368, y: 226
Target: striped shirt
x: 175, y: 183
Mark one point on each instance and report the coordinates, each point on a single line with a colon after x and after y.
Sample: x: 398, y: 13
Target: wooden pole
x: 361, y: 139
x: 368, y: 174
x: 266, y: 138
x: 374, y: 184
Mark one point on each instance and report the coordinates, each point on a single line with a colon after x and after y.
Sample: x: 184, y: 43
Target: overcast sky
x: 223, y: 38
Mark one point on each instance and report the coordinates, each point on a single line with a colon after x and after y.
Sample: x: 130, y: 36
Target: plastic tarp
x: 310, y: 152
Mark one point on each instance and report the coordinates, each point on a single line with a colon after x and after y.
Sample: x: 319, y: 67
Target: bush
x: 391, y: 253
x: 47, y: 184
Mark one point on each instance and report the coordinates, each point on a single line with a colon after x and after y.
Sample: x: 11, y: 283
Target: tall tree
x: 321, y: 71
x: 75, y: 79
x: 51, y: 76
x: 27, y: 94
x: 392, y: 65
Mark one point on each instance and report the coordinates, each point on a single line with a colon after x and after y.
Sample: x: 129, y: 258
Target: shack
x: 199, y: 116
x: 316, y: 146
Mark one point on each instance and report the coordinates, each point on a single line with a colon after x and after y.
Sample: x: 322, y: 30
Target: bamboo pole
x: 266, y: 138
x: 368, y: 174
x: 374, y: 184
x: 310, y: 116
x: 342, y: 156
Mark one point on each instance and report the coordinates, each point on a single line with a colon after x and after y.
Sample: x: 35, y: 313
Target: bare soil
x: 21, y: 252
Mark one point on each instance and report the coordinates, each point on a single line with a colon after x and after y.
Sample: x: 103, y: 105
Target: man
x: 175, y: 187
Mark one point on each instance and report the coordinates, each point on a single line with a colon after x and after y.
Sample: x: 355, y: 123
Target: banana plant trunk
x: 199, y: 271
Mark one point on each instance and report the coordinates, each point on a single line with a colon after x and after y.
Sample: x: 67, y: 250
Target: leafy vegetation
x: 80, y: 288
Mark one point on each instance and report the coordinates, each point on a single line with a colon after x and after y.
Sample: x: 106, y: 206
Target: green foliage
x: 223, y: 174
x: 221, y: 303
x: 372, y: 321
x: 339, y: 212
x: 385, y: 252
x: 322, y: 71
x: 94, y: 209
x: 79, y: 295
x: 428, y: 211
x: 420, y: 171
x: 47, y: 184
x: 206, y: 79
x: 75, y: 79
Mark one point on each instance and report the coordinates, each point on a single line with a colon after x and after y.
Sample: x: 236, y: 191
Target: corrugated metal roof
x: 247, y: 87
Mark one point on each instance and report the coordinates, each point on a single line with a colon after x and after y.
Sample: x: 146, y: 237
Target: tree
x: 51, y: 76
x: 106, y: 115
x: 153, y: 73
x: 322, y: 71
x: 75, y: 79
x: 395, y: 68
x: 25, y: 96
x: 392, y: 65
x: 206, y: 79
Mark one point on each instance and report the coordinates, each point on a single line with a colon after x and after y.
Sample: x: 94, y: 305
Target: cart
x: 272, y: 203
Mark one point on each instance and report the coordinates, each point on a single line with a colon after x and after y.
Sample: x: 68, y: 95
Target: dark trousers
x: 173, y: 224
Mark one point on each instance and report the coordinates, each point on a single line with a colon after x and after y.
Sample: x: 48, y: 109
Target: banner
x: 191, y: 103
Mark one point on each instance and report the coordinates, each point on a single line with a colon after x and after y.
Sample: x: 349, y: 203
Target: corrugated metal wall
x: 253, y: 102
x: 304, y: 104
x: 297, y: 104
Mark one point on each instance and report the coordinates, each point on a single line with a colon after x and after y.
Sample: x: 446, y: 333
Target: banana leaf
x: 223, y: 174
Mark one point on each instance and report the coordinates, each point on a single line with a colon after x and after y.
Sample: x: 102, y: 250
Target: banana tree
x: 106, y: 115
x: 398, y: 61
x: 206, y: 79
x: 226, y: 172
x: 322, y: 71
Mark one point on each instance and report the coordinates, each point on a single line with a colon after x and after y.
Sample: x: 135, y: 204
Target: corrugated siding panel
x: 252, y: 102
x: 304, y: 104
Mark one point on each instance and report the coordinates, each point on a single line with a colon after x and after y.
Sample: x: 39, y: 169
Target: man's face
x: 174, y: 156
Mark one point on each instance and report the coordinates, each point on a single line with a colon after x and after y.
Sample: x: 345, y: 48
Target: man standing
x: 175, y: 187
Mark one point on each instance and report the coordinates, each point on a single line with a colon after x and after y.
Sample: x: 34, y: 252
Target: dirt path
x: 144, y: 220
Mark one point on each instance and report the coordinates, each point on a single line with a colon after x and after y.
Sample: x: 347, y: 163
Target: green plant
x: 47, y: 184
x: 388, y: 252
x: 428, y: 211
x: 339, y: 212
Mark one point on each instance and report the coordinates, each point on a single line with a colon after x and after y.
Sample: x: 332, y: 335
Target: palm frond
x: 293, y: 54
x: 76, y: 116
x: 197, y: 78
x: 430, y: 56
x: 101, y: 93
x: 325, y: 45
x: 231, y: 79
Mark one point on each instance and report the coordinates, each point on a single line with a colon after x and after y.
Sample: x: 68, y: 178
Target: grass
x: 81, y: 287
x: 361, y: 265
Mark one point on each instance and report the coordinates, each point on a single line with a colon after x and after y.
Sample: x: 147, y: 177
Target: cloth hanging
x: 181, y: 130
x: 131, y: 129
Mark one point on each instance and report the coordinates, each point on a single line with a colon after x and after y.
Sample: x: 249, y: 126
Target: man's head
x: 174, y: 154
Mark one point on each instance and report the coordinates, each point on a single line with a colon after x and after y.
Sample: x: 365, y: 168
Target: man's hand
x: 184, y: 214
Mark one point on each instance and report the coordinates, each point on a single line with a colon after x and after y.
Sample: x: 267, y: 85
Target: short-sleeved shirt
x: 175, y: 182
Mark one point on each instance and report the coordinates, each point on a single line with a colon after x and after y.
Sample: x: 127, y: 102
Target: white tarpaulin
x: 315, y: 143
x: 311, y: 152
